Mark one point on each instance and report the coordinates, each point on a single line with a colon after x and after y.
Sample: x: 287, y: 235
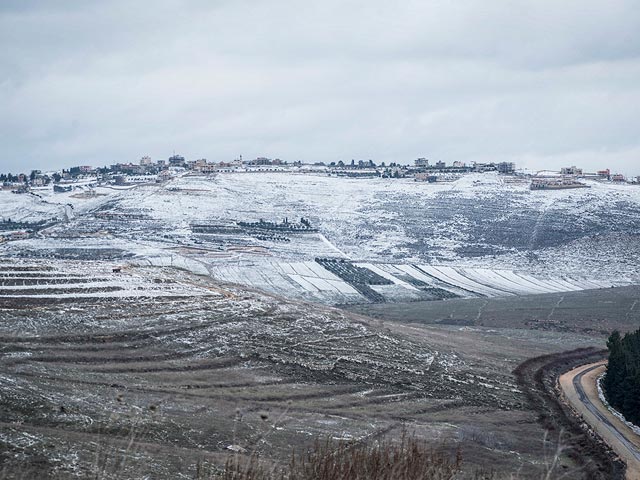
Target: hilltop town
x: 147, y: 170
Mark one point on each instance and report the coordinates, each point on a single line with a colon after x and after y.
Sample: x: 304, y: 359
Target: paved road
x: 584, y: 398
x: 583, y: 394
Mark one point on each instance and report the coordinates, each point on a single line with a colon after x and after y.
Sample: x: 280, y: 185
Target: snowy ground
x: 477, y: 236
x: 185, y: 368
x: 165, y: 348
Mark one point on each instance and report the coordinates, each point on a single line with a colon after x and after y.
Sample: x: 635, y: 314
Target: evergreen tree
x: 615, y: 370
x: 622, y: 381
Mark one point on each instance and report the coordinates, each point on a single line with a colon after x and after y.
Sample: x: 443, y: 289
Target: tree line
x: 21, y: 177
x: 621, y: 383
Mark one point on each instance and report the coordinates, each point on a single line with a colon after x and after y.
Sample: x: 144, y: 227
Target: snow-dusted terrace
x: 477, y: 236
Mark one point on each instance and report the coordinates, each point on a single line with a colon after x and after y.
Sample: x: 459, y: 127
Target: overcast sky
x: 542, y: 83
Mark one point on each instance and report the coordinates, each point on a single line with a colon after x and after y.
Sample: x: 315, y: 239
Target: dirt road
x: 579, y: 388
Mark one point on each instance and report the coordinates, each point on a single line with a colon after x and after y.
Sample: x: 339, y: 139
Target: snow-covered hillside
x: 477, y: 236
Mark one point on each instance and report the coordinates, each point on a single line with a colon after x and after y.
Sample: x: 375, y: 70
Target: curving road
x: 579, y: 388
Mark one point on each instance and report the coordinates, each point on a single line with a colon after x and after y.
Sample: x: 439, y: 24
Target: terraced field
x: 339, y: 281
x: 210, y: 341
x: 476, y: 237
x: 186, y: 369
x: 81, y: 280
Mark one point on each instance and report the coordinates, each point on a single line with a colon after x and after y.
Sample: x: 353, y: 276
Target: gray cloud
x: 540, y: 83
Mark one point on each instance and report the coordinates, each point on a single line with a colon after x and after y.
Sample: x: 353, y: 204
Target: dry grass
x: 408, y: 459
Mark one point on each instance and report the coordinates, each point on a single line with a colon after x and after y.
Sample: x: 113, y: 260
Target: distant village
x: 147, y: 170
x: 81, y: 181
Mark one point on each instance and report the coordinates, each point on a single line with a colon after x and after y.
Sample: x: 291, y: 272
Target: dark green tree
x: 614, y: 378
x: 621, y: 383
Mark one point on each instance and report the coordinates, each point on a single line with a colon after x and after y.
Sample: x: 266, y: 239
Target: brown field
x: 156, y: 387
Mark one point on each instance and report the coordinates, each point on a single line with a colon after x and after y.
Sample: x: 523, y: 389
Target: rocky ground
x: 188, y: 370
x: 160, y: 367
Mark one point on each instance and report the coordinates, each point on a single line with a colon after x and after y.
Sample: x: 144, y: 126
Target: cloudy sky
x: 542, y: 83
